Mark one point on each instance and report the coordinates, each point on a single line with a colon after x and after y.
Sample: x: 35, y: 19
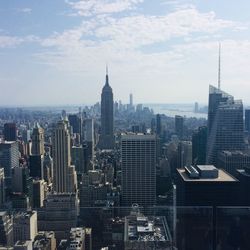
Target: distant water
x: 172, y: 110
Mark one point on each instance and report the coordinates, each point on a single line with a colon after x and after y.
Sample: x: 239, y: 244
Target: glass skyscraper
x: 225, y: 124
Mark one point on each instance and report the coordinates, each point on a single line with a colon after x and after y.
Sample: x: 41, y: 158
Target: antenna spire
x: 107, y: 77
x: 219, y: 66
x: 107, y: 71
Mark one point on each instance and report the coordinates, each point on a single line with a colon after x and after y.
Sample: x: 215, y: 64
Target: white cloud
x: 25, y: 10
x: 139, y: 30
x: 9, y: 41
x: 108, y: 37
x: 93, y: 7
x: 13, y: 41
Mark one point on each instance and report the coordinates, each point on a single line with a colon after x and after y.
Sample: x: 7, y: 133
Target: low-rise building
x: 45, y: 240
x: 146, y: 232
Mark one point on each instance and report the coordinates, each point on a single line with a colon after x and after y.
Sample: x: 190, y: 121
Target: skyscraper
x: 199, y: 146
x: 158, y: 124
x: 179, y: 126
x: 89, y: 139
x: 37, y: 140
x: 107, y: 117
x: 247, y: 120
x: 225, y: 124
x: 62, y: 158
x: 10, y: 132
x: 138, y: 154
x: 76, y: 123
x: 37, y: 152
x: 9, y: 157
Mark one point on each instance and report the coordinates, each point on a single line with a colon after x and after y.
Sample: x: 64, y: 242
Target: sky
x: 162, y: 51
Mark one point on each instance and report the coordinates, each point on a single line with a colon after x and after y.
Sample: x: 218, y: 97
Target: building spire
x: 219, y: 66
x: 107, y: 76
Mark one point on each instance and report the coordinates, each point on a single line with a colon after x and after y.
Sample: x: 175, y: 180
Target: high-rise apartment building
x: 138, y: 155
x: 10, y: 132
x: 179, y: 126
x: 107, y: 117
x: 225, y: 124
x: 9, y: 157
x: 62, y: 158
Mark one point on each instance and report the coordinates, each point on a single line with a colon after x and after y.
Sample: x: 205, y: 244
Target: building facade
x: 225, y: 124
x: 138, y: 156
x: 62, y: 181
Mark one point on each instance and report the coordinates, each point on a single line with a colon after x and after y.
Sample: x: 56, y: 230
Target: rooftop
x: 223, y: 176
x: 206, y: 167
x: 138, y: 136
x: 141, y: 228
x: 234, y: 153
x: 23, y: 243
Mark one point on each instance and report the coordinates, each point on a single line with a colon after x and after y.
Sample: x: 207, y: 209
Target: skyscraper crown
x: 107, y: 87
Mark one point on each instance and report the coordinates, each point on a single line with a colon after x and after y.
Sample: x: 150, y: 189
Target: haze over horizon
x: 54, y: 53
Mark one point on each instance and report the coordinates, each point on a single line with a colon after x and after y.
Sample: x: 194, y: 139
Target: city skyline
x: 62, y: 47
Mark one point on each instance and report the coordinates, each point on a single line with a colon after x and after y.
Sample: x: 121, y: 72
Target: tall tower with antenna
x: 107, y: 116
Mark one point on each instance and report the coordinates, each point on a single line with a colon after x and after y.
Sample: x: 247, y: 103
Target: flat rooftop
x: 235, y: 153
x: 138, y: 136
x: 206, y: 167
x: 142, y: 228
x: 222, y: 176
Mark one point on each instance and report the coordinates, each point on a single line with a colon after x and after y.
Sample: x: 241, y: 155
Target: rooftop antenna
x: 107, y: 69
x: 107, y: 77
x: 219, y: 73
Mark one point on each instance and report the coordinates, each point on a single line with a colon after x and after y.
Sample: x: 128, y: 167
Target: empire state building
x: 107, y: 117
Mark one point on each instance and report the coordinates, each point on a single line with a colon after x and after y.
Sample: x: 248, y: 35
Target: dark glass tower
x: 158, y: 124
x: 10, y: 132
x: 247, y: 120
x: 225, y: 124
x: 179, y: 120
x: 199, y: 146
x: 107, y: 117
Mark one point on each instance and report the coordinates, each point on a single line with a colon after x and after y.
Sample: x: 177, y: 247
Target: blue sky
x: 164, y: 51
